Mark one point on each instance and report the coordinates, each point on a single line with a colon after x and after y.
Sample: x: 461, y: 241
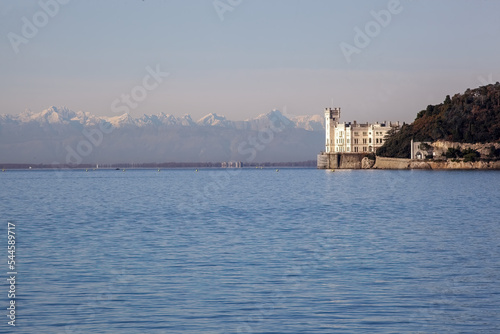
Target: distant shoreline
x: 165, y: 165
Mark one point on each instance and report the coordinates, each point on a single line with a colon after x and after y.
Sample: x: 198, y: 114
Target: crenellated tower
x: 332, y: 117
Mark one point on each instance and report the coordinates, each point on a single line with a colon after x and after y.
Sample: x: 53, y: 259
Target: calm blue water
x: 254, y: 251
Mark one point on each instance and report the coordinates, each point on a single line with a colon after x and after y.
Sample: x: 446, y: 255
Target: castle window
x: 364, y: 133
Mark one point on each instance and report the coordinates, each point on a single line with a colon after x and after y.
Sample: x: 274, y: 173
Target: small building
x: 231, y: 164
x: 421, y: 150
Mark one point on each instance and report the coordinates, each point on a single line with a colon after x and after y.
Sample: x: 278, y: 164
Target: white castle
x: 354, y: 137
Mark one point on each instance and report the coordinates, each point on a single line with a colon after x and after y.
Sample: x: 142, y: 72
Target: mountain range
x: 59, y: 135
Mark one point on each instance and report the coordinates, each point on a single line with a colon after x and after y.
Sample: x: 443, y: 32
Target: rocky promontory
x: 398, y: 163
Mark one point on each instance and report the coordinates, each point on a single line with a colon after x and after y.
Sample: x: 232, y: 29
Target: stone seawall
x: 351, y: 161
x: 395, y: 163
x: 360, y: 161
x: 391, y: 163
x: 464, y: 165
x: 340, y: 160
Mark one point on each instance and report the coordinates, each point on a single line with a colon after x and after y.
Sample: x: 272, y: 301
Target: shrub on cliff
x: 453, y: 153
x: 494, y: 152
x: 471, y: 155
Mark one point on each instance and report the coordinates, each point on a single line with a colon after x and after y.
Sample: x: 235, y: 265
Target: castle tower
x: 332, y: 117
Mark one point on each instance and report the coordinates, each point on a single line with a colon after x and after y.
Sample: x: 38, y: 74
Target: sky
x: 376, y: 60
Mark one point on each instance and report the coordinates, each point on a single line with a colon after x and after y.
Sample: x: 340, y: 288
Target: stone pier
x: 340, y: 160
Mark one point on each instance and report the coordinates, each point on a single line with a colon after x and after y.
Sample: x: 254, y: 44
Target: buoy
x: 277, y: 170
x: 196, y: 170
x: 3, y: 170
x: 158, y: 169
x: 123, y: 170
x: 86, y: 170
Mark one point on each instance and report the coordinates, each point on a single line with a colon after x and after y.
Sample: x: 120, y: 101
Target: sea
x: 252, y: 250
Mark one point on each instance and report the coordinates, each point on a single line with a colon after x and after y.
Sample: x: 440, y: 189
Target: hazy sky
x: 241, y: 58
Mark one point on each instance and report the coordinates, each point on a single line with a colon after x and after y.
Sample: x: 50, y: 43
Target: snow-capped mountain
x: 121, y: 121
x: 51, y: 115
x: 54, y: 115
x: 65, y: 136
x: 309, y: 122
x: 214, y: 120
x: 63, y: 115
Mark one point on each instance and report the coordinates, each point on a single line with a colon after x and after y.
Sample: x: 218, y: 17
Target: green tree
x: 471, y: 155
x: 447, y: 100
x: 454, y: 153
x: 425, y: 146
x: 494, y: 152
